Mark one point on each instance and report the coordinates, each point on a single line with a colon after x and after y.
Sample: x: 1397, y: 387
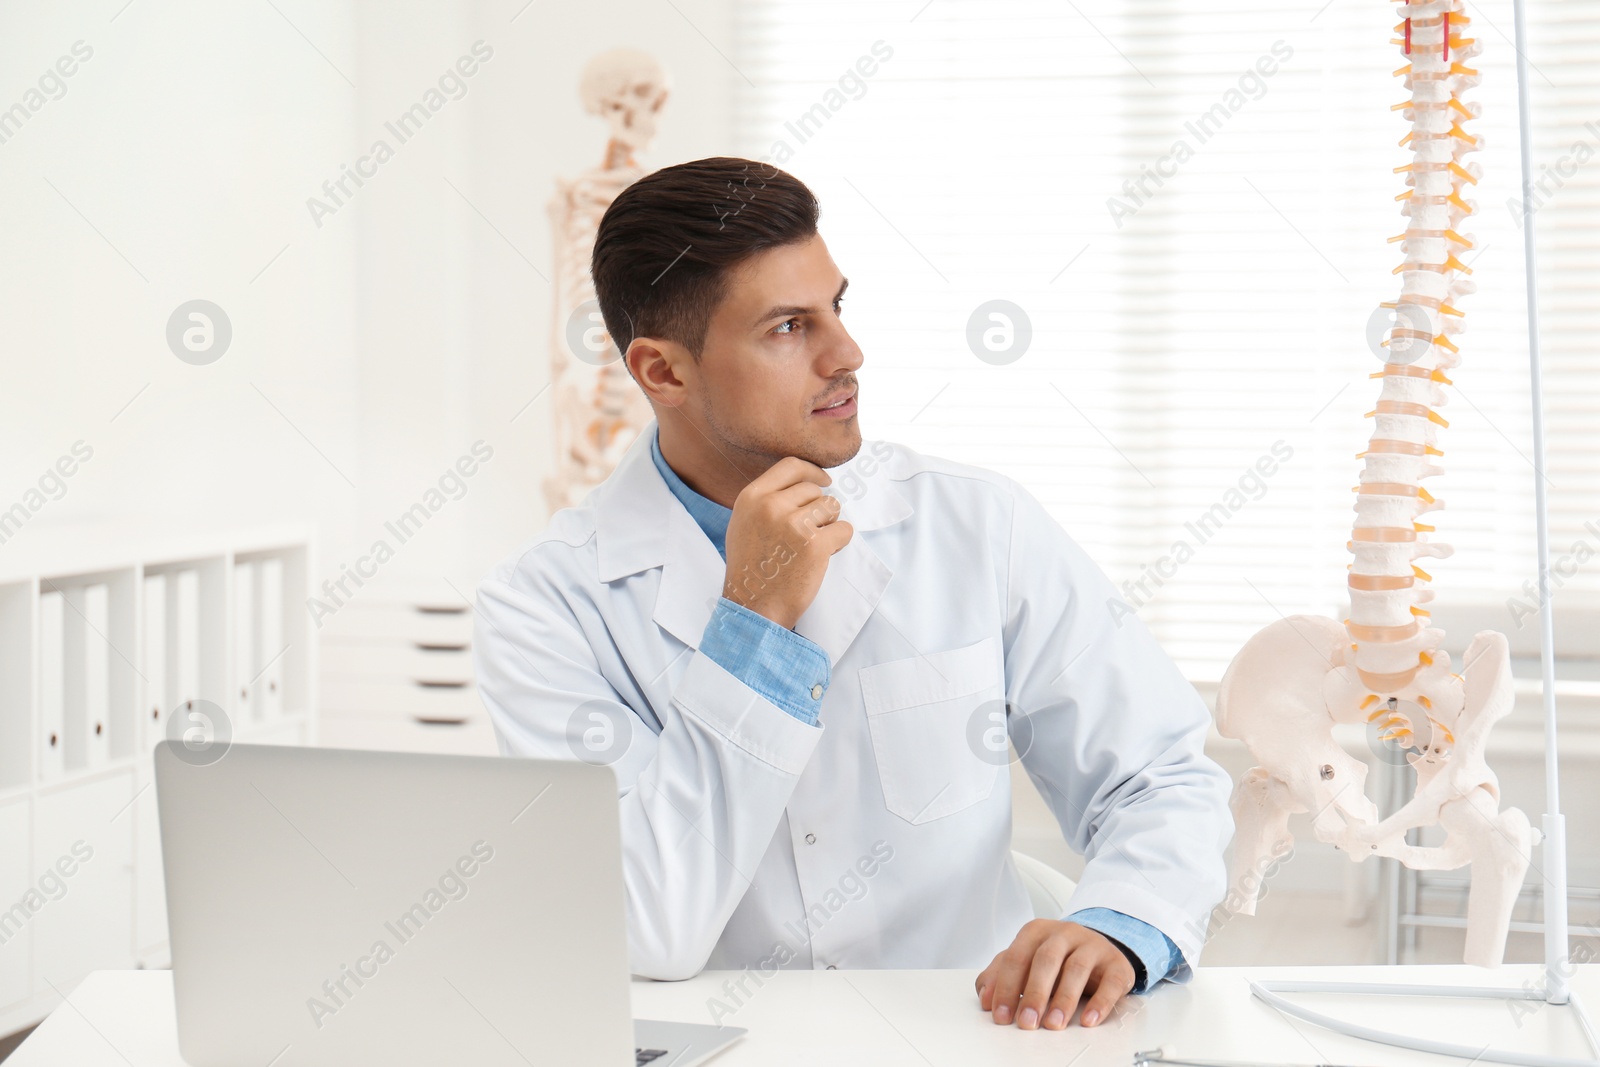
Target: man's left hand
x: 1049, y: 967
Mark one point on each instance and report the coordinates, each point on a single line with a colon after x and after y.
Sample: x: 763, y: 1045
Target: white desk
x: 930, y: 1019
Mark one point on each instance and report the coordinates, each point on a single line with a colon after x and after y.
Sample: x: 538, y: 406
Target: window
x: 1190, y: 204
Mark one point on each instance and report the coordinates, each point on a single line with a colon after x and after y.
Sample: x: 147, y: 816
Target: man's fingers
x: 1079, y: 964
x: 1108, y: 992
x: 1075, y: 975
x: 1112, y: 984
x: 1003, y: 995
x: 786, y: 472
x: 1046, y: 966
x: 816, y: 513
x: 836, y: 535
x: 1010, y: 969
x: 796, y: 496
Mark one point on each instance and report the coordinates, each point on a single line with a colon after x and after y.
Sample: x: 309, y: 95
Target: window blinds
x: 1190, y: 206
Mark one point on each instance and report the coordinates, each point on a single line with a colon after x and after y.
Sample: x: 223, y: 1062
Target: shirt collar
x: 709, y: 515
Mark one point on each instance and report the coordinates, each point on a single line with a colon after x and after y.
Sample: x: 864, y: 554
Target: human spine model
x: 598, y: 409
x: 1295, y: 679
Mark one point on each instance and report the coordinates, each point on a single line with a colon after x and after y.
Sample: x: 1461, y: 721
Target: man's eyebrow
x: 784, y: 312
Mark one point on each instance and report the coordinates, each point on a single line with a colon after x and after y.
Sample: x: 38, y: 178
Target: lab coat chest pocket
x: 922, y: 713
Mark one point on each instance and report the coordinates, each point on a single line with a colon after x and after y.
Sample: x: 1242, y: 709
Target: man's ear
x: 664, y: 370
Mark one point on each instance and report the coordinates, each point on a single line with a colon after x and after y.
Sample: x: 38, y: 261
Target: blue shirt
x: 793, y: 673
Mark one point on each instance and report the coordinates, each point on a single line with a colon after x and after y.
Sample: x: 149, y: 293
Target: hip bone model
x: 1291, y: 683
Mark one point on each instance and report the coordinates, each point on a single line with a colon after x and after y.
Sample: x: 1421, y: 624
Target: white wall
x: 376, y: 347
x: 174, y: 168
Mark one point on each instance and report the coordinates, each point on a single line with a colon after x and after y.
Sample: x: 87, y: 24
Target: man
x: 803, y: 658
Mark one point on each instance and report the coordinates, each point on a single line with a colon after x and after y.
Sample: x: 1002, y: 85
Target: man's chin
x: 834, y: 453
x: 833, y: 446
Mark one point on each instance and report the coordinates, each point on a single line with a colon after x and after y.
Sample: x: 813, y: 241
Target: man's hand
x: 781, y: 535
x: 1049, y: 966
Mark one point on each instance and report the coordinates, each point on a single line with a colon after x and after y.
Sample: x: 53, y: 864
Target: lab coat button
x: 811, y: 839
x: 816, y: 691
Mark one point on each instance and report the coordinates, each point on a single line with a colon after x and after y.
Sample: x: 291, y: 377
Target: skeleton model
x: 1294, y: 680
x: 598, y: 409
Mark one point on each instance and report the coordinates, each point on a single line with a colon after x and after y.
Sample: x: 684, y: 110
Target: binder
x: 183, y: 633
x: 156, y: 702
x: 75, y: 683
x: 52, y: 692
x: 270, y: 652
x: 244, y: 641
x: 97, y: 675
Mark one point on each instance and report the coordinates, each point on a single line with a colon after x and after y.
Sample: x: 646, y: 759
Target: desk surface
x: 931, y: 1019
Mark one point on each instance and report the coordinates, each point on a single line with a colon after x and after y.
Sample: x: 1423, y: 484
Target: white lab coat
x: 881, y: 838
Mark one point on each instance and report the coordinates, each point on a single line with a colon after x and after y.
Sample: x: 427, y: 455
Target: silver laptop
x: 335, y: 907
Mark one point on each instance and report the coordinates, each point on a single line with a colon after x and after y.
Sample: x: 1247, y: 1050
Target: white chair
x: 1048, y: 888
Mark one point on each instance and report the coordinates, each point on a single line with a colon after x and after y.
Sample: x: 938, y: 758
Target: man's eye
x: 794, y: 325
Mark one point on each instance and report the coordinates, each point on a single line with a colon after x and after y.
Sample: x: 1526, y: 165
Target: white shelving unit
x: 147, y: 626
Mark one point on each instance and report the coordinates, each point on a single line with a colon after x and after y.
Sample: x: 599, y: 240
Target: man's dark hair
x: 668, y: 242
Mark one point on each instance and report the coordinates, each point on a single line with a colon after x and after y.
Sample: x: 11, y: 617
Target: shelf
x: 104, y: 642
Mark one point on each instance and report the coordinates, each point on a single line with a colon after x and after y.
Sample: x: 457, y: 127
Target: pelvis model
x: 1293, y: 681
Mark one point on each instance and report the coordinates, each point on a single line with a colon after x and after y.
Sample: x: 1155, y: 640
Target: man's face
x: 777, y: 376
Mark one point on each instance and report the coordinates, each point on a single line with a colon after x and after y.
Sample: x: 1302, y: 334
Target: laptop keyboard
x: 642, y: 1056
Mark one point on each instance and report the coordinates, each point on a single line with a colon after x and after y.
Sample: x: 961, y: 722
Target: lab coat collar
x: 639, y: 524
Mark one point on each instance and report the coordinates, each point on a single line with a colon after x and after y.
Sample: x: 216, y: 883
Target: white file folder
x: 52, y: 677
x: 156, y: 702
x: 75, y: 684
x: 97, y: 675
x: 183, y: 631
x: 269, y: 637
x: 244, y: 641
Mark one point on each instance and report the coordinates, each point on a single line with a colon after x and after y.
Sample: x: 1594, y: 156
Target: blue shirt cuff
x: 785, y: 668
x: 1151, y: 952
